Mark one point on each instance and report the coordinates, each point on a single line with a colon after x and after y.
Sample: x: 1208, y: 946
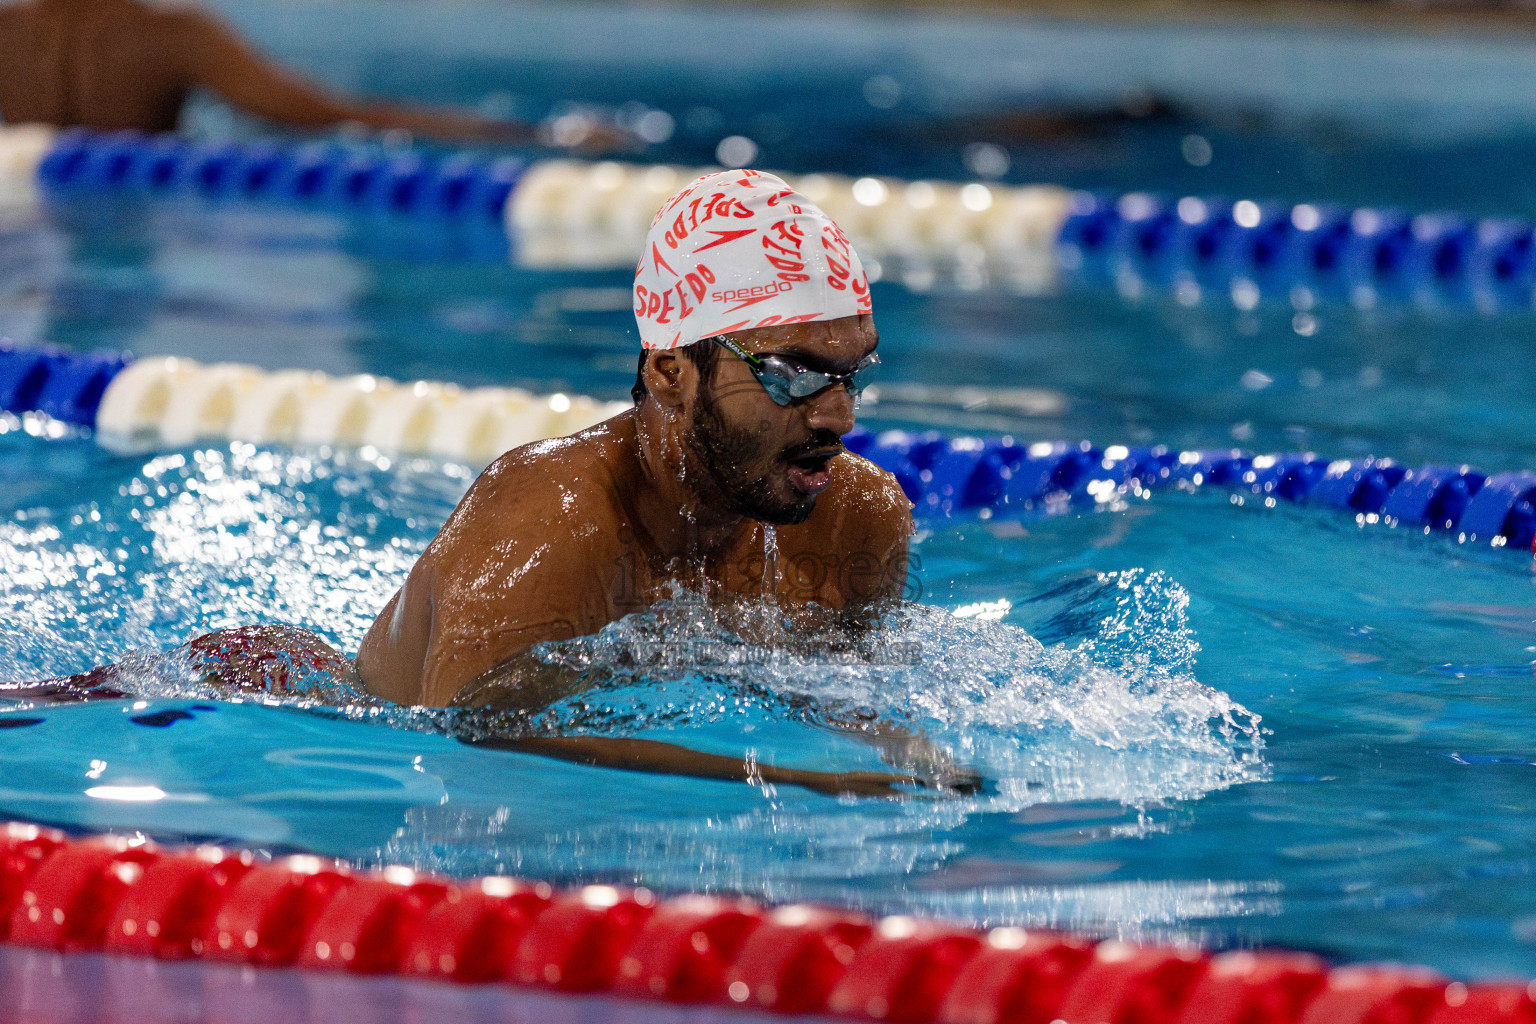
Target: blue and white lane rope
x: 159, y: 402
x: 1246, y: 250
x: 565, y: 213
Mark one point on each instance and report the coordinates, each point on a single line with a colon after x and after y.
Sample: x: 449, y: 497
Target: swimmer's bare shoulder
x: 525, y: 557
x: 860, y: 531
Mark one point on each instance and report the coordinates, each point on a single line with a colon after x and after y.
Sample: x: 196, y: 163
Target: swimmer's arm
x: 219, y: 60
x: 908, y: 750
x: 901, y: 746
x: 505, y: 572
x: 657, y: 758
x: 393, y: 655
x: 526, y: 685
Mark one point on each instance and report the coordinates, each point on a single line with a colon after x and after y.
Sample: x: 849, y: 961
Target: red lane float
x: 70, y: 898
x: 794, y: 958
x: 475, y: 930
x: 1127, y: 983
x: 167, y: 912
x: 132, y: 898
x: 903, y: 971
x: 267, y: 916
x: 1486, y: 1004
x: 367, y: 925
x: 576, y: 943
x: 1241, y: 987
x: 1376, y: 995
x: 1016, y: 976
x: 685, y: 948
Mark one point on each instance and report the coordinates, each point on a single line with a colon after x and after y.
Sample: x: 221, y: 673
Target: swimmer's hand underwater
x: 526, y: 685
x: 651, y: 756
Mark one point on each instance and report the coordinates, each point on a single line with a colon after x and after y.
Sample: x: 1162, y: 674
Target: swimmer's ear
x: 665, y: 372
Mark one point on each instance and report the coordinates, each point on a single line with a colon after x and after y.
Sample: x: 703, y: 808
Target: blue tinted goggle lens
x: 786, y: 381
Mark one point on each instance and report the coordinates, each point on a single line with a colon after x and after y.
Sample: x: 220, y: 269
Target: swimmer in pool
x: 746, y: 385
x: 111, y: 64
x: 754, y: 317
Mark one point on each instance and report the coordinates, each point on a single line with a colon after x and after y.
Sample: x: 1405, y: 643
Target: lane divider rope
x: 131, y: 898
x: 1303, y: 253
x: 401, y: 181
x: 568, y: 213
x: 998, y: 476
x: 171, y: 402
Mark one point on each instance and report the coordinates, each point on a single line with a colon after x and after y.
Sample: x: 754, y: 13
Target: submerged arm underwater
x: 660, y: 758
x: 286, y: 659
x: 526, y: 685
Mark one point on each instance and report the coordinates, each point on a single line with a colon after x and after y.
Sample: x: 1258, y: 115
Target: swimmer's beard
x: 721, y: 450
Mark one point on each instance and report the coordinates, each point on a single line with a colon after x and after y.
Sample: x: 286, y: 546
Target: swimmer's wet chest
x: 788, y: 564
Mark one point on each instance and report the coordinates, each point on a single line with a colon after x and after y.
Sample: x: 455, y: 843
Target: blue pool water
x: 1198, y: 719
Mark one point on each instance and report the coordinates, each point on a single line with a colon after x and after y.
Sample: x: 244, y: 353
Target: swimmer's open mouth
x: 811, y: 473
x: 815, y: 462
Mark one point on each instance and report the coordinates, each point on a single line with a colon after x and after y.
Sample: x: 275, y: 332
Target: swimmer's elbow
x: 383, y: 670
x: 392, y: 659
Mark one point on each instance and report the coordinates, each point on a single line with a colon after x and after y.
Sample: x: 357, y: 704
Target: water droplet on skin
x: 770, y: 560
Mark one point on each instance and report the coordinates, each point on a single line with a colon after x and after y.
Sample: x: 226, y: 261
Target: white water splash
x: 1046, y: 726
x: 193, y: 541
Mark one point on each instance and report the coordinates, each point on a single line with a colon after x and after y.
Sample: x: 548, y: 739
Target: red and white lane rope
x: 109, y: 895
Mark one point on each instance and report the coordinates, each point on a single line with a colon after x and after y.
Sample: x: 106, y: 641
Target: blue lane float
x: 996, y: 477
x: 67, y: 386
x: 1304, y: 252
x: 405, y: 183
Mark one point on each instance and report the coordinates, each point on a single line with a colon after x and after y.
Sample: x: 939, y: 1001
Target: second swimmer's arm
x: 215, y: 57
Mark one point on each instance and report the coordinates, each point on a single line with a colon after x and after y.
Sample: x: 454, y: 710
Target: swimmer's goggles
x: 787, y: 381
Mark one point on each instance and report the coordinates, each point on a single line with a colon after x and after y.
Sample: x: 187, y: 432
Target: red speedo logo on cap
x: 762, y: 291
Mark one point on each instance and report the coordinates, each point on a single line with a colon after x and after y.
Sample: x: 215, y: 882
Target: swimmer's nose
x: 831, y: 409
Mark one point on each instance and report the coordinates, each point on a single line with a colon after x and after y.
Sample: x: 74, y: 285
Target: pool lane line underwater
x: 572, y: 214
x: 231, y: 908
x: 171, y: 402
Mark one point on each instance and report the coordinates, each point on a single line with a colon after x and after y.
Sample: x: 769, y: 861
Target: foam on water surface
x: 202, y: 539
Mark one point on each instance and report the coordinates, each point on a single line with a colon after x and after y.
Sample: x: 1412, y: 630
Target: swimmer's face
x: 769, y: 462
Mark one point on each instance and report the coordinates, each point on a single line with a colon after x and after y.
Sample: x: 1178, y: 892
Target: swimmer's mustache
x: 823, y: 442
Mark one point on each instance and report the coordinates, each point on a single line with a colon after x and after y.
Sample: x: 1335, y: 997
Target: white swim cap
x: 741, y: 249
